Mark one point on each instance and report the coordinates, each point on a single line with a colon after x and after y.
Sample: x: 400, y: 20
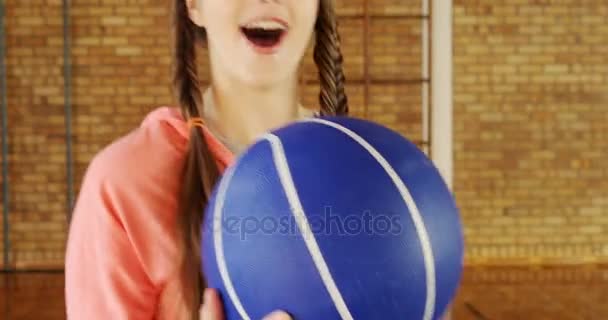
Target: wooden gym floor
x: 509, y: 293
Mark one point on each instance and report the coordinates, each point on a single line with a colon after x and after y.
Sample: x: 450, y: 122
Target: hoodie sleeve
x: 104, y: 276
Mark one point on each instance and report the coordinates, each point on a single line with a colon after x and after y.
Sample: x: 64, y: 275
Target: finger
x: 212, y: 306
x: 278, y: 315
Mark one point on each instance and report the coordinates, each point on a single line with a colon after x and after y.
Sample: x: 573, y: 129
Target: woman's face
x: 257, y: 42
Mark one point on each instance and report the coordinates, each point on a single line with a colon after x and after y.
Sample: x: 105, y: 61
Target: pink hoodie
x: 121, y: 260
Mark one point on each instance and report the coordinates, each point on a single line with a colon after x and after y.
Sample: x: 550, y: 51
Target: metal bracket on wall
x: 357, y: 16
x: 424, y: 79
x: 378, y: 81
x: 67, y: 78
x: 5, y: 160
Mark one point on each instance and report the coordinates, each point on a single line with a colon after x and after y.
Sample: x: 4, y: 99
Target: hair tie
x: 196, y: 122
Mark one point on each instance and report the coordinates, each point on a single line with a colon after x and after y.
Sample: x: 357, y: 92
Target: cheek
x: 222, y: 35
x: 306, y: 16
x: 307, y: 12
x: 219, y: 18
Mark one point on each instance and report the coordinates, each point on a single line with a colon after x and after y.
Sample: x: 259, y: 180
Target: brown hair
x: 200, y: 170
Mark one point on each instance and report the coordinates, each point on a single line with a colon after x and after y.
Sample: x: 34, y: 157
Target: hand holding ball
x: 333, y: 218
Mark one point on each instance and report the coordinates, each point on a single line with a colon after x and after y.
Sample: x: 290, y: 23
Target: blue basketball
x: 333, y: 218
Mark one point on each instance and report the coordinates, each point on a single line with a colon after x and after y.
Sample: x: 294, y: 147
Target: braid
x: 328, y: 58
x: 200, y: 170
x: 185, y: 76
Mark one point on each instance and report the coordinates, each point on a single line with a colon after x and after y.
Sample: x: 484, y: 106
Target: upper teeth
x: 265, y: 24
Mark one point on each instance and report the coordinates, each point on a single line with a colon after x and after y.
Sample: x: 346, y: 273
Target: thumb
x: 212, y: 307
x: 278, y: 315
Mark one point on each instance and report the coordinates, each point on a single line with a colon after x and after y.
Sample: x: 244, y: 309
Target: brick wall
x: 36, y: 131
x: 528, y: 98
x: 531, y: 95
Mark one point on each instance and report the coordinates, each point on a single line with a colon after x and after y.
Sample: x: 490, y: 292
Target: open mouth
x: 264, y: 36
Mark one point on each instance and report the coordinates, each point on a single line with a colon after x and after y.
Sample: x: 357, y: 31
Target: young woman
x: 133, y: 248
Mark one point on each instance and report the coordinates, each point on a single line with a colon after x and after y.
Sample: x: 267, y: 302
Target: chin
x: 264, y: 79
